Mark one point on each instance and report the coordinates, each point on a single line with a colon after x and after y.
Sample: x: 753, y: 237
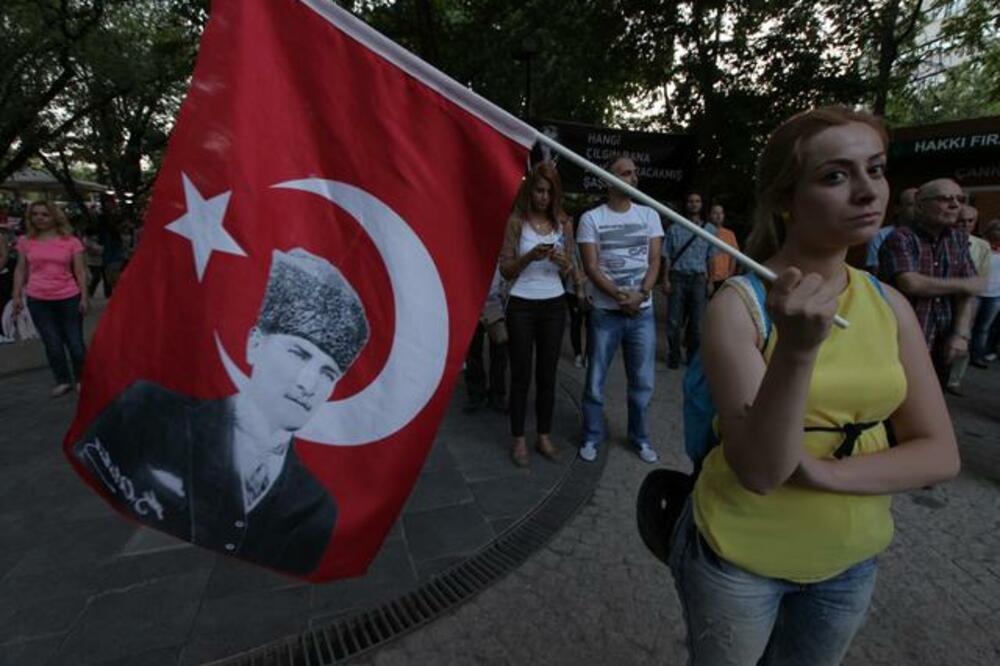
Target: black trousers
x: 534, y: 325
x: 578, y: 318
x: 475, y: 370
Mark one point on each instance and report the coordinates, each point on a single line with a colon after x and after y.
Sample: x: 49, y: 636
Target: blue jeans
x: 737, y: 617
x: 983, y: 342
x: 60, y: 325
x: 685, y: 308
x: 637, y: 336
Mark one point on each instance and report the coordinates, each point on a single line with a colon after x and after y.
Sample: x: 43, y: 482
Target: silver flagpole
x: 758, y: 268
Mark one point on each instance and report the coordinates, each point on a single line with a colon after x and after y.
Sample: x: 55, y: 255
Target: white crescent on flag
x: 420, y: 342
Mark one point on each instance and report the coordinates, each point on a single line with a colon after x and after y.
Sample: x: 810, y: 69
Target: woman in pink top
x: 51, y: 272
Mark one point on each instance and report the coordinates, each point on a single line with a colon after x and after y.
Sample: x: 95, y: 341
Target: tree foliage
x: 99, y: 81
x: 44, y: 47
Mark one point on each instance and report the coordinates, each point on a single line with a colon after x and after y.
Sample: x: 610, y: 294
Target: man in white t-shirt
x: 620, y: 246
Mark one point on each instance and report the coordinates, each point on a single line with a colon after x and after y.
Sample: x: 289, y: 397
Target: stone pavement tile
x: 9, y: 557
x: 452, y: 530
x: 27, y: 617
x: 438, y: 487
x: 501, y: 525
x: 122, y: 623
x: 231, y: 577
x: 89, y: 578
x: 30, y: 652
x: 440, y: 456
x: 159, y: 657
x: 390, y: 574
x: 230, y: 625
x: 428, y: 568
x: 480, y: 459
x: 80, y: 542
x: 146, y: 540
x: 497, y: 498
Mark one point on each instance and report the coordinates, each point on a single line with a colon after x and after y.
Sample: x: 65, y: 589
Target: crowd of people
x: 774, y: 554
x: 50, y: 268
x: 934, y: 249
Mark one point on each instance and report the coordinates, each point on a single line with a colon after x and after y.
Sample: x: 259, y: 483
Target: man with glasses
x: 930, y: 263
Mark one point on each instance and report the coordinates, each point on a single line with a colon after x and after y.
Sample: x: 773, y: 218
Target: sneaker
x: 979, y: 363
x: 648, y: 453
x: 673, y: 363
x: 588, y: 451
x: 990, y: 357
x: 60, y: 389
x: 578, y: 361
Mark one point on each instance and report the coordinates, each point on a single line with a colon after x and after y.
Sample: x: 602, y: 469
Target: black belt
x: 851, y: 433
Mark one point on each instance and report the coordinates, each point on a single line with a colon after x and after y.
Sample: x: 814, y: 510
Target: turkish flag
x: 273, y: 368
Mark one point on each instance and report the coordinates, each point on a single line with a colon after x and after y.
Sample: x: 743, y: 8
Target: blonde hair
x: 780, y: 166
x: 63, y: 227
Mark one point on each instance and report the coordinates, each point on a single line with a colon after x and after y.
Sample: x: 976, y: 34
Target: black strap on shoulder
x: 851, y: 433
x: 673, y: 260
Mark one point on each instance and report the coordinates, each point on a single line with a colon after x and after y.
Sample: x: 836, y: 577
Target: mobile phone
x: 547, y: 246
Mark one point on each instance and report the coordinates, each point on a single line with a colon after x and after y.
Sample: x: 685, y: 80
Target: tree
x: 144, y: 61
x: 40, y: 64
x: 583, y: 60
x: 961, y: 70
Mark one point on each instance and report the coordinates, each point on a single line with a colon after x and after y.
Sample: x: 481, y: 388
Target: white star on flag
x: 202, y: 225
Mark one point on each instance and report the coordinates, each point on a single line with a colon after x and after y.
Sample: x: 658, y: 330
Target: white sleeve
x: 587, y: 231
x: 654, y: 225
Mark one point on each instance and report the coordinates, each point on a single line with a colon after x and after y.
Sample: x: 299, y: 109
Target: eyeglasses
x: 959, y: 199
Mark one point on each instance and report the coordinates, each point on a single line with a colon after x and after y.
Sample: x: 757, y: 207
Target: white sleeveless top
x: 540, y: 279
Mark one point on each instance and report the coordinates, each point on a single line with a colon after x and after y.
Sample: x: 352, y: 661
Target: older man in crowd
x: 930, y: 263
x: 979, y: 250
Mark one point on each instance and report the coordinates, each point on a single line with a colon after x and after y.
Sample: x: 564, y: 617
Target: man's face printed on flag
x: 291, y: 377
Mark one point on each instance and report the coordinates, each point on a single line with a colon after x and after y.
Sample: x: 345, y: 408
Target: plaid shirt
x: 916, y: 250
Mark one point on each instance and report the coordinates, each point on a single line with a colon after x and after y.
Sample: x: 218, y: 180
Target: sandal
x: 548, y: 449
x: 519, y: 454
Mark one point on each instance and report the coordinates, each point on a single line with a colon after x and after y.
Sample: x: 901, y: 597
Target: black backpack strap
x: 851, y: 433
x: 673, y: 260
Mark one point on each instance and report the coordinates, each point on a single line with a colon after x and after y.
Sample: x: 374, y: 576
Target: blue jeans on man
x: 687, y: 300
x: 636, y: 335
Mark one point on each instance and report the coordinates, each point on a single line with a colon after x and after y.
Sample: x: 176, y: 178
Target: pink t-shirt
x: 50, y: 266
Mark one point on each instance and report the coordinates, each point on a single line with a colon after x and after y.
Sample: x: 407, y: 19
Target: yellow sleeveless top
x: 797, y: 533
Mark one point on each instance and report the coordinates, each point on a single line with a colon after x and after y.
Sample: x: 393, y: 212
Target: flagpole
x: 758, y: 268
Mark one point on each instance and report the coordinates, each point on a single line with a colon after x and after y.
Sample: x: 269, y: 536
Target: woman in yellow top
x: 774, y: 558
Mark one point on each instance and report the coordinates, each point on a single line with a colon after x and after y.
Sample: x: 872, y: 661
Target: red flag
x: 270, y: 375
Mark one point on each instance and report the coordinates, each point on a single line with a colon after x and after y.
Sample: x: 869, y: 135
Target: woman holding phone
x: 774, y: 558
x: 533, y: 259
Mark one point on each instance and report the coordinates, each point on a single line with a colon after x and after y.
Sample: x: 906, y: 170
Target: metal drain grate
x: 362, y: 632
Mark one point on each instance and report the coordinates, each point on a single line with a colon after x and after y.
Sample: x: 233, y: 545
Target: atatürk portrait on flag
x: 224, y: 474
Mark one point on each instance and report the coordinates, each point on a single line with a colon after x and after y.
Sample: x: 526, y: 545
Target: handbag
x: 658, y: 506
